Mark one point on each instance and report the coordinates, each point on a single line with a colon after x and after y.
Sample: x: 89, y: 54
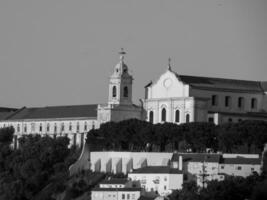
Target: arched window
x: 93, y: 125
x: 62, y: 127
x: 25, y: 128
x: 40, y: 128
x: 214, y: 100
x: 114, y: 91
x: 241, y: 102
x: 187, y: 118
x: 78, y: 127
x: 163, y: 115
x: 253, y: 103
x: 177, y: 116
x: 33, y: 127
x: 151, y: 116
x: 85, y: 126
x: 125, y: 91
x: 227, y: 102
x: 18, y: 128
x: 55, y: 128
x: 48, y: 127
x: 70, y: 127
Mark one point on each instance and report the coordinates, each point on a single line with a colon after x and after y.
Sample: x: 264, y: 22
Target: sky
x: 62, y: 52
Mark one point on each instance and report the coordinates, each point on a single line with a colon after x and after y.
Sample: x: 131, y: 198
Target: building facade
x: 160, y: 179
x: 180, y: 98
x: 116, y: 189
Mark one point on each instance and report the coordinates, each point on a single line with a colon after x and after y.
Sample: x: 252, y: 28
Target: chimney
x: 180, y: 163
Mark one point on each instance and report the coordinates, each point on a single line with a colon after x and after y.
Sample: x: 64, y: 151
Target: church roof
x: 74, y: 111
x: 212, y: 83
x: 222, y: 83
x: 245, y: 114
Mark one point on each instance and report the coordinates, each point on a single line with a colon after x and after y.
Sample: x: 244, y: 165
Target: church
x: 181, y: 98
x: 172, y: 98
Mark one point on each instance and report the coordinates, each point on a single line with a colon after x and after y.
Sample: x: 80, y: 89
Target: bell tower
x: 120, y: 84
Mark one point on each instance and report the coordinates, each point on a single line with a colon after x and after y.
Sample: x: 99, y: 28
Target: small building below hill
x: 116, y: 189
x: 159, y: 179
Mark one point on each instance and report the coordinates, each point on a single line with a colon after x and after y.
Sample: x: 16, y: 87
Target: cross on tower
x: 122, y: 53
x: 169, y: 63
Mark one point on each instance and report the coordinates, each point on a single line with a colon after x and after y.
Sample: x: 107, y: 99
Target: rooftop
x: 157, y: 170
x: 196, y: 157
x: 223, y: 83
x: 114, y: 181
x: 116, y: 189
x: 241, y: 160
x: 51, y: 112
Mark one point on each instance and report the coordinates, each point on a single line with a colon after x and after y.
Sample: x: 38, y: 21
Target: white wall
x: 234, y: 100
x: 168, y: 86
x: 243, y: 170
x: 166, y: 182
x: 129, y: 160
x: 115, y: 195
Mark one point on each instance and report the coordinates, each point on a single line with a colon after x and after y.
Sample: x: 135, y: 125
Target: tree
x: 39, y: 162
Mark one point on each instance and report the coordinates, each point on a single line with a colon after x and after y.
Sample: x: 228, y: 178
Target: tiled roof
x: 114, y: 181
x: 4, y: 109
x: 222, y: 83
x: 246, y: 114
x: 196, y: 157
x: 116, y: 189
x: 5, y: 112
x: 157, y: 170
x: 241, y: 160
x: 4, y: 115
x: 75, y: 111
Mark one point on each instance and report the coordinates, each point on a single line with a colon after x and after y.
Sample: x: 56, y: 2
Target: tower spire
x: 169, y: 64
x: 122, y: 53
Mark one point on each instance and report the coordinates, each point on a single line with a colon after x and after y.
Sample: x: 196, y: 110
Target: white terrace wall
x: 124, y: 162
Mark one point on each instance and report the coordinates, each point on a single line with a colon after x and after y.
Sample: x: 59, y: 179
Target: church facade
x: 75, y: 121
x: 180, y: 99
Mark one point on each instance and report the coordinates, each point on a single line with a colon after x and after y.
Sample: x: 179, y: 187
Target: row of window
x: 55, y: 128
x: 228, y: 102
x: 128, y: 196
x: 239, y: 168
x: 211, y: 119
x: 164, y: 116
x: 125, y: 91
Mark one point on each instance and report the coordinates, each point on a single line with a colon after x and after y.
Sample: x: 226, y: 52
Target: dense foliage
x: 41, y: 163
x: 136, y: 135
x: 39, y: 168
x: 232, y: 188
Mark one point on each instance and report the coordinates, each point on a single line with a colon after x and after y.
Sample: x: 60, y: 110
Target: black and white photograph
x: 133, y: 100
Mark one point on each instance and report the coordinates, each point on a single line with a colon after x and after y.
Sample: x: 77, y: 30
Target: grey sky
x: 57, y: 52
